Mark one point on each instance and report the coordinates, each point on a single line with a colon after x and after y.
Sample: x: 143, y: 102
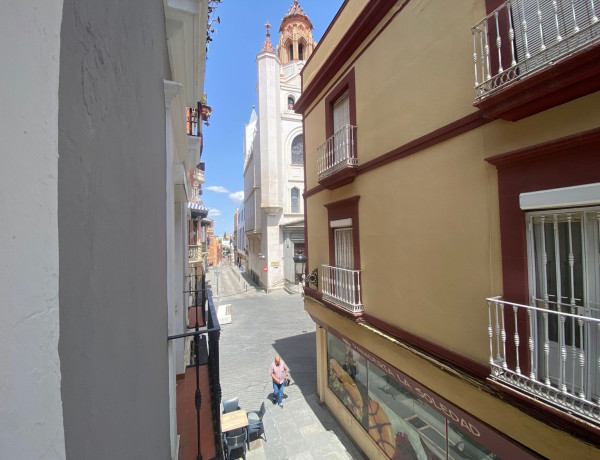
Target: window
x: 291, y: 52
x: 563, y: 257
x: 295, y: 200
x: 405, y: 418
x: 290, y: 103
x: 341, y: 112
x: 297, y: 150
x: 337, y: 157
x: 300, y: 51
x: 344, y: 253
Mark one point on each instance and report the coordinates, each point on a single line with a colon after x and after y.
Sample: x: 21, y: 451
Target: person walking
x: 279, y: 374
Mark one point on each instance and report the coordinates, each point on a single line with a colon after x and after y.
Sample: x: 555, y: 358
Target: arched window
x: 290, y: 103
x: 291, y: 52
x: 295, y: 200
x: 297, y: 153
x: 300, y: 51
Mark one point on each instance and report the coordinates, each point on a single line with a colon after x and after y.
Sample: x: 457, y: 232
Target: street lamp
x: 299, y: 264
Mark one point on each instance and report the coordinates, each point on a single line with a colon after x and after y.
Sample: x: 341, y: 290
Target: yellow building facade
x: 452, y: 233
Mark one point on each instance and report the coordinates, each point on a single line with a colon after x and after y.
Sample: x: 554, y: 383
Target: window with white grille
x: 564, y: 276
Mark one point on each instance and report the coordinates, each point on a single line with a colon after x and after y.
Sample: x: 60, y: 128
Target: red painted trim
x: 454, y: 129
x: 432, y: 349
x: 565, y: 80
x: 348, y: 82
x: 179, y: 377
x: 564, y: 145
x: 339, y: 178
x: 530, y: 406
x: 342, y: 210
x: 313, y: 191
x: 565, y: 162
x: 450, y: 131
x: 335, y: 18
x: 364, y: 24
x: 550, y: 415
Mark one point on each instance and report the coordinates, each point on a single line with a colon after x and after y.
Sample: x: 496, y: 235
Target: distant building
x: 453, y: 226
x: 274, y: 156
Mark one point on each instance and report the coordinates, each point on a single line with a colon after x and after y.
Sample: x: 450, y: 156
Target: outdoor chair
x: 231, y: 404
x: 255, y: 422
x: 235, y: 439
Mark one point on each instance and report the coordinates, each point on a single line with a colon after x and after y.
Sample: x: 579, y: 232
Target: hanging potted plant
x: 205, y: 110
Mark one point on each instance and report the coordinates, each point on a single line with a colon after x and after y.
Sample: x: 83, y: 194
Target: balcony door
x: 341, y: 118
x: 344, y: 259
x: 563, y: 253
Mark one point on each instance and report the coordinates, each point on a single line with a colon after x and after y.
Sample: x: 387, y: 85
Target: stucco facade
x: 431, y: 198
x: 94, y: 245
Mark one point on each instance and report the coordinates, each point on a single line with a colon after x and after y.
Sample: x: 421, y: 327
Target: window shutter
x: 341, y: 112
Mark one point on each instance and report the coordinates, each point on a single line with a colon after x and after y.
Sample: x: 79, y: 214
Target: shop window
x: 404, y: 418
x: 347, y: 378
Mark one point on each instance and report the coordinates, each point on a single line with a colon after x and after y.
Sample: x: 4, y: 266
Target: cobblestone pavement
x: 262, y: 326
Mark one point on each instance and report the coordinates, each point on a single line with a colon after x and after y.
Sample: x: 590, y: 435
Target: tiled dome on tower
x: 295, y: 36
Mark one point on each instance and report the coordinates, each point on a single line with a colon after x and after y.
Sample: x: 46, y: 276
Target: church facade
x: 274, y: 158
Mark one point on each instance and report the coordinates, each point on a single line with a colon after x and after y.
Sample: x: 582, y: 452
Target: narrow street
x: 263, y: 325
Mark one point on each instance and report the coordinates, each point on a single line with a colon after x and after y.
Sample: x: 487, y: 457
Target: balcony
x: 199, y: 175
x: 194, y: 253
x: 192, y: 121
x: 342, y: 287
x: 336, y: 158
x: 531, y: 55
x: 549, y: 351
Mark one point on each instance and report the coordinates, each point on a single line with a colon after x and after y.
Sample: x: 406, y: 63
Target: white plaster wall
x: 112, y: 230
x: 31, y: 419
x: 269, y: 132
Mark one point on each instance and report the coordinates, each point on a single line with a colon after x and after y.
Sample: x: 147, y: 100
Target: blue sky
x: 231, y: 91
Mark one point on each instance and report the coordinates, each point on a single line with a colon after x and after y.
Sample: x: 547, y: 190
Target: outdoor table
x: 232, y: 420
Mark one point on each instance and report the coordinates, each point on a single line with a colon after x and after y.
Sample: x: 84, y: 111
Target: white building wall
x: 269, y: 175
x: 31, y: 417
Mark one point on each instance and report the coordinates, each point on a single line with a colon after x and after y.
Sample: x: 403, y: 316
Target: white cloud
x: 216, y: 188
x: 214, y: 212
x: 237, y: 197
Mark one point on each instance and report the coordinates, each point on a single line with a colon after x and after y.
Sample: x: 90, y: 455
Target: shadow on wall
x: 299, y: 353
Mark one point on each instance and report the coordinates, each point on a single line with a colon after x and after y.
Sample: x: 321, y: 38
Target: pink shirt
x: 278, y: 371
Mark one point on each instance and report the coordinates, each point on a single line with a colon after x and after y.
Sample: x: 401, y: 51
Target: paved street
x: 263, y: 325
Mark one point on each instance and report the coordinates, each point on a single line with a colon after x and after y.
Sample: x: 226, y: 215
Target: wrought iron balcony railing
x: 195, y: 253
x: 550, y: 350
x: 337, y: 152
x: 192, y: 121
x: 342, y: 287
x: 205, y: 337
x: 523, y: 36
x: 199, y: 175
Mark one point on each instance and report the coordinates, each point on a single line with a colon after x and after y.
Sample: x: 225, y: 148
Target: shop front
x: 390, y: 414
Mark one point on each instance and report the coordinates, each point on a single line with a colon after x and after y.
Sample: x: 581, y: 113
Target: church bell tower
x: 295, y: 36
